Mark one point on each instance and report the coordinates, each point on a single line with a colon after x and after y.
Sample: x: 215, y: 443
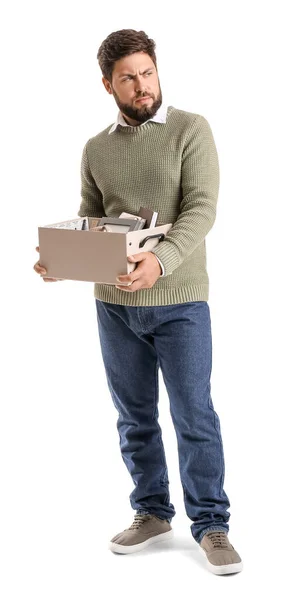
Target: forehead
x: 139, y: 61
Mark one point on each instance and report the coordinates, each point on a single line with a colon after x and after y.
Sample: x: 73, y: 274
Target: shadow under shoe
x: 146, y: 529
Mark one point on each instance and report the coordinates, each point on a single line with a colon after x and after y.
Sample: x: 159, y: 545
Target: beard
x: 143, y: 113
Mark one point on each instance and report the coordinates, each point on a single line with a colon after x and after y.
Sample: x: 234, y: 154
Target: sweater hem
x: 152, y: 296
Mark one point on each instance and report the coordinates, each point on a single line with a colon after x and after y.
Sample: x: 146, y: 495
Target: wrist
x: 159, y: 264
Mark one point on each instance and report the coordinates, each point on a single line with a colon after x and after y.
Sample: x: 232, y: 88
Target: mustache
x: 143, y: 96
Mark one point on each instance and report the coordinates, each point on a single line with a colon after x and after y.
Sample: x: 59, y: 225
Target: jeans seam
x: 215, y: 417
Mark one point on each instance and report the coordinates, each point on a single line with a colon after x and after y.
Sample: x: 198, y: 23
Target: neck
x: 129, y: 121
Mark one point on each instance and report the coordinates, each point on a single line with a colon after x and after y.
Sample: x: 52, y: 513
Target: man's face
x: 135, y: 77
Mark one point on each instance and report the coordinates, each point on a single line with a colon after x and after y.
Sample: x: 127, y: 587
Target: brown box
x: 97, y: 256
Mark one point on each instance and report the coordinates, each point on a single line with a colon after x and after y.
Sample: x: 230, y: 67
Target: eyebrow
x: 131, y: 75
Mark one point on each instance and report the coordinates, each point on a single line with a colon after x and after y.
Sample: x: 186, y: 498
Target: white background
x: 64, y: 486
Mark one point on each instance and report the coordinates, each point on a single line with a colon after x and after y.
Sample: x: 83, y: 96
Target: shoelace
x: 138, y: 521
x: 218, y: 539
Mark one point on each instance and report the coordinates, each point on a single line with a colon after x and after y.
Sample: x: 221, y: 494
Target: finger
x: 126, y: 279
x: 125, y: 282
x: 37, y: 248
x: 130, y: 288
x: 50, y: 279
x: 137, y: 257
x: 40, y: 270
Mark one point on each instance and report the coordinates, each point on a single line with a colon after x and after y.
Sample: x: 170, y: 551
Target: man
x: 158, y: 316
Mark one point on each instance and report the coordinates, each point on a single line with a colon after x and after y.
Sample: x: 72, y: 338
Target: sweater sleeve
x: 200, y: 187
x: 92, y: 200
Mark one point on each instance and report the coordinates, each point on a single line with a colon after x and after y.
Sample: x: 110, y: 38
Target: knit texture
x: 169, y: 167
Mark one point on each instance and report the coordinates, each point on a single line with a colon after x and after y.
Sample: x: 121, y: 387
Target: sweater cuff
x: 162, y: 267
x: 166, y: 252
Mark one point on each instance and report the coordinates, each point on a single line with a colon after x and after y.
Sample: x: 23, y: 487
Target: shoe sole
x: 222, y: 569
x: 161, y: 537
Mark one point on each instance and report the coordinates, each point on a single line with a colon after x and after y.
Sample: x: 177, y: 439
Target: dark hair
x: 122, y: 43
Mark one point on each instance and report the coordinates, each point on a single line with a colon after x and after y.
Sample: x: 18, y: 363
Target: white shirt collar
x: 159, y: 117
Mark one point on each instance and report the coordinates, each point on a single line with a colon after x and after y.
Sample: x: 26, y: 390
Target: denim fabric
x: 135, y: 342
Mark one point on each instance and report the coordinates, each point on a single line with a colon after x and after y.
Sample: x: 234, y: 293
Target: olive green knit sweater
x: 169, y: 167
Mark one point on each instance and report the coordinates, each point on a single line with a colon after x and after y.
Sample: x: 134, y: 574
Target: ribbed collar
x: 159, y: 117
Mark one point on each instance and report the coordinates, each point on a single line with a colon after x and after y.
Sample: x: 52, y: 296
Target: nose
x: 140, y: 85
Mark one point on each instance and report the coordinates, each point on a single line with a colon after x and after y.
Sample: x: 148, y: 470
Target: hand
x: 144, y: 276
x: 42, y: 271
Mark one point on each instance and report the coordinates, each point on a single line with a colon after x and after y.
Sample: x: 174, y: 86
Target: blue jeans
x: 135, y: 342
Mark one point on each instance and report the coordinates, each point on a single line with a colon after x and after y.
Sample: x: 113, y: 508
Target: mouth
x: 143, y: 99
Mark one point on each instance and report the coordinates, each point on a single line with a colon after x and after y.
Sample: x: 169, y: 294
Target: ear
x: 107, y: 85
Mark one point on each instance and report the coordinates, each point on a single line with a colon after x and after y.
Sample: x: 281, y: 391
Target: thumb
x: 136, y: 257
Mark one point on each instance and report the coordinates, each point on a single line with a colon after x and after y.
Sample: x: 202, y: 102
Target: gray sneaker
x: 221, y: 556
x: 145, y: 530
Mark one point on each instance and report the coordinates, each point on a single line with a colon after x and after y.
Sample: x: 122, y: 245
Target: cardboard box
x: 69, y: 252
